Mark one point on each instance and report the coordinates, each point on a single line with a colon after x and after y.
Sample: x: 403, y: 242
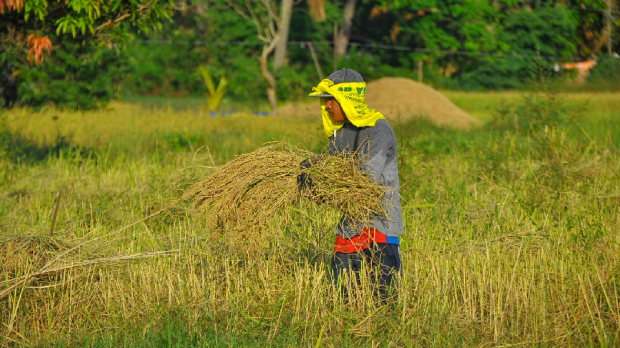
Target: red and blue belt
x: 362, y: 241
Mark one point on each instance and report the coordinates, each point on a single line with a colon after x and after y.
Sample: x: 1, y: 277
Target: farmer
x: 354, y: 129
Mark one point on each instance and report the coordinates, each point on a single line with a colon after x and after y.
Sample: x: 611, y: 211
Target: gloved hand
x: 304, y: 182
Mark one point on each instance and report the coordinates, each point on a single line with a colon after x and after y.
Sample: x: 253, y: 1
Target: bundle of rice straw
x: 253, y: 187
x: 23, y: 254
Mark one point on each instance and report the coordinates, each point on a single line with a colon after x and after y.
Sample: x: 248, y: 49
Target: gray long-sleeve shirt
x: 378, y: 145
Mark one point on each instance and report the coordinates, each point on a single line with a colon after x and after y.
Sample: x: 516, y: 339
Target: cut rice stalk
x: 255, y: 186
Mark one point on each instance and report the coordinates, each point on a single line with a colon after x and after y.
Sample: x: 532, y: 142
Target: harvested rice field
x: 512, y: 231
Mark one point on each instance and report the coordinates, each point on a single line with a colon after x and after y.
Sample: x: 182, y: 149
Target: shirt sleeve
x: 379, y: 146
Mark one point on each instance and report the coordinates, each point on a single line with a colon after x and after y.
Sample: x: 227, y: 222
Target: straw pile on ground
x: 36, y: 262
x: 399, y: 100
x: 20, y: 259
x: 252, y: 188
x: 23, y: 254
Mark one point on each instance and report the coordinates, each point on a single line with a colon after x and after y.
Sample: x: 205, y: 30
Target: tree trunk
x: 342, y: 41
x: 598, y: 45
x: 283, y: 29
x: 317, y: 10
x: 264, y: 69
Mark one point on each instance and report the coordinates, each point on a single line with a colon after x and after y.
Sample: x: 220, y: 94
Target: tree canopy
x: 470, y: 44
x: 31, y: 23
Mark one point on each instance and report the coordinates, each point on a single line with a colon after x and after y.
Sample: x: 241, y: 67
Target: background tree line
x: 469, y: 45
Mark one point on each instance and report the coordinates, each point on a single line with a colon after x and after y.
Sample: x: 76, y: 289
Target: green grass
x: 482, y: 105
x: 512, y: 234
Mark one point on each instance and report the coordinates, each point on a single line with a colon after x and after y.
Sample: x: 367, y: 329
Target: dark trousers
x: 382, y: 261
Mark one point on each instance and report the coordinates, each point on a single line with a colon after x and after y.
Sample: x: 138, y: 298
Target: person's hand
x: 309, y: 162
x: 304, y: 182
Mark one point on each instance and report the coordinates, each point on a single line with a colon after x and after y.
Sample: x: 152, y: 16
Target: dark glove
x: 303, y: 180
x: 309, y: 162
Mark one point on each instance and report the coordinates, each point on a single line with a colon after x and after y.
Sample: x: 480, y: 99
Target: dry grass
x: 133, y: 129
x: 20, y: 254
x: 478, y: 271
x: 487, y: 262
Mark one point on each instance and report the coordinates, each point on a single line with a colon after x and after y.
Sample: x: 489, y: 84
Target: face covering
x: 352, y: 99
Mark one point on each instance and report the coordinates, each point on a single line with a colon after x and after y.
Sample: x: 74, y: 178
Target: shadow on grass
x: 18, y: 149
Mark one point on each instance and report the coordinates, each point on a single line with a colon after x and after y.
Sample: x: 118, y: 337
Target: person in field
x: 356, y: 130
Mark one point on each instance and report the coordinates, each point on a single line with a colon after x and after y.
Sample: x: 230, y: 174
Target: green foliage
x: 497, y: 74
x: 546, y: 32
x: 515, y: 30
x: 372, y: 67
x: 77, y: 27
x: 165, y: 69
x: 296, y: 81
x: 605, y: 74
x: 77, y: 76
x: 170, y: 69
x: 501, y: 38
x: 83, y: 17
x: 446, y: 25
x: 214, y: 94
x: 472, y: 26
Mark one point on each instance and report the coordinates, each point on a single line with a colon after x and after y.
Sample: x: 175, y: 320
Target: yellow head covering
x: 352, y: 98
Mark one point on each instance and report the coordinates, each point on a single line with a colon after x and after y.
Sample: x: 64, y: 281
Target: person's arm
x: 379, y: 146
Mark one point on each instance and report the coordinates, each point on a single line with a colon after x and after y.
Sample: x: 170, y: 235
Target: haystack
x: 403, y: 98
x: 400, y: 99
